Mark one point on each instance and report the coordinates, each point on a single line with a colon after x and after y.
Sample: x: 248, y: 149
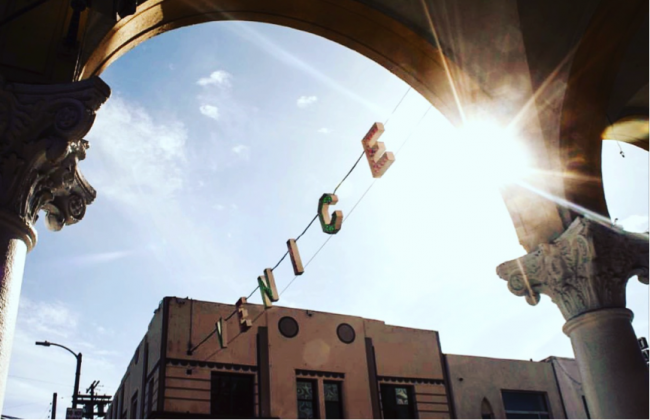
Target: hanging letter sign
x: 222, y: 333
x: 296, y: 262
x: 378, y: 158
x: 330, y: 225
x: 268, y: 289
x: 242, y: 314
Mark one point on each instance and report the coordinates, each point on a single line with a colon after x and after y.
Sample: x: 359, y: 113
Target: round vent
x: 346, y: 333
x: 288, y: 327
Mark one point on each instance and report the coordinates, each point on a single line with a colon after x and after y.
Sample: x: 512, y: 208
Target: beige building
x: 295, y: 363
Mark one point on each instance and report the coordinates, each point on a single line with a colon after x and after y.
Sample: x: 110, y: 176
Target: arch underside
x: 459, y: 82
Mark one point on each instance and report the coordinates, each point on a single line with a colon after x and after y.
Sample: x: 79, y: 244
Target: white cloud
x: 210, y: 111
x: 219, y: 207
x: 217, y: 78
x: 242, y: 151
x: 324, y: 130
x: 305, y: 101
x: 635, y: 223
x: 142, y: 161
x: 234, y: 206
x: 266, y: 45
x: 100, y: 257
x: 53, y: 318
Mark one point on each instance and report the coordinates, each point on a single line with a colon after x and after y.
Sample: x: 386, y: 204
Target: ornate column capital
x: 585, y: 269
x: 41, y: 130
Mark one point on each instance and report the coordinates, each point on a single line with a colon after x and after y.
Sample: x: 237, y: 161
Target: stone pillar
x: 585, y: 272
x: 41, y: 130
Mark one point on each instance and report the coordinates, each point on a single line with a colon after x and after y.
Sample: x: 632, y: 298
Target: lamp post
x: 77, y: 374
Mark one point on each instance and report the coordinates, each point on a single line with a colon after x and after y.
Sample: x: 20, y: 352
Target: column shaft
x: 614, y: 373
x: 12, y: 264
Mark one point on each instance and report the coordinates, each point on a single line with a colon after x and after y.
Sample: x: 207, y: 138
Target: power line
x: 39, y: 380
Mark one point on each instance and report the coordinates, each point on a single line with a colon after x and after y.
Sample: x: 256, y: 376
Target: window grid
x: 397, y: 401
x: 525, y: 404
x: 307, y: 396
x: 333, y: 399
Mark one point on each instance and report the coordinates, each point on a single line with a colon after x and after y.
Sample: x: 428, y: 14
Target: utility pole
x: 90, y: 400
x: 91, y: 405
x: 53, y: 416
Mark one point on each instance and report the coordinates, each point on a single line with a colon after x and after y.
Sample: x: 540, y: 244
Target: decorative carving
x: 41, y: 130
x: 585, y: 269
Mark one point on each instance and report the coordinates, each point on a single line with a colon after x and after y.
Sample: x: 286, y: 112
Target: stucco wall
x: 474, y: 378
x: 570, y: 383
x: 411, y: 356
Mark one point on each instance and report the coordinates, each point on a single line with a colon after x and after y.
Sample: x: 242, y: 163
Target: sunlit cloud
x: 324, y: 130
x: 219, y: 207
x: 217, y: 78
x: 305, y: 101
x: 141, y: 158
x: 210, y: 111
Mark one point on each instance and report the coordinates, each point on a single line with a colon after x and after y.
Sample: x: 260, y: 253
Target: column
x: 585, y: 272
x: 41, y: 130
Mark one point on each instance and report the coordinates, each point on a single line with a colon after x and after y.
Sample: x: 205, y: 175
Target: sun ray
x: 444, y: 61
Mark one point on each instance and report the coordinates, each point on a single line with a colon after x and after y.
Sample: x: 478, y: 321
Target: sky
x: 214, y: 149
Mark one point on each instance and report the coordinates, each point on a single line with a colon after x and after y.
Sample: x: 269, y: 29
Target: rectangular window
x: 333, y: 400
x: 397, y: 401
x: 525, y: 405
x: 307, y: 394
x: 232, y: 395
x: 134, y: 406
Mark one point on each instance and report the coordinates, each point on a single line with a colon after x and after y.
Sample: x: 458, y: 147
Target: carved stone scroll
x: 41, y: 130
x: 585, y: 269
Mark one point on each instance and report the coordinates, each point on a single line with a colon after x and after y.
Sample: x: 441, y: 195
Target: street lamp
x: 77, y: 374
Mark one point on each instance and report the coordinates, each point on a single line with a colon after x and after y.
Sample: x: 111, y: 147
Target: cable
x: 310, y: 260
x: 397, y: 106
x: 362, y: 196
x: 349, y: 172
x: 315, y: 217
x: 39, y: 380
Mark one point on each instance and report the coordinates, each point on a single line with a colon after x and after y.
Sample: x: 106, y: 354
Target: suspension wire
x: 362, y: 195
x: 316, y: 216
x: 204, y: 340
x: 397, y: 106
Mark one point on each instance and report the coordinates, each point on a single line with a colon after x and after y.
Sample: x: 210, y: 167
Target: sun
x: 494, y: 154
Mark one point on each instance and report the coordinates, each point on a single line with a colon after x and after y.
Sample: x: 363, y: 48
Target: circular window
x: 346, y: 333
x: 288, y: 327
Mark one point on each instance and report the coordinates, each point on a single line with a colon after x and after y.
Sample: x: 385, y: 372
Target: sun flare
x: 495, y: 154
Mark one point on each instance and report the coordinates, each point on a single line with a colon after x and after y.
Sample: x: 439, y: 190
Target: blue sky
x: 213, y: 150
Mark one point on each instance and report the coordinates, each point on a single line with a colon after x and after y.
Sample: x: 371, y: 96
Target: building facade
x: 294, y: 363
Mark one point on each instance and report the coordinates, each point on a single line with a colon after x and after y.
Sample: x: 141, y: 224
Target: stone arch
x: 379, y: 37
x: 591, y: 83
